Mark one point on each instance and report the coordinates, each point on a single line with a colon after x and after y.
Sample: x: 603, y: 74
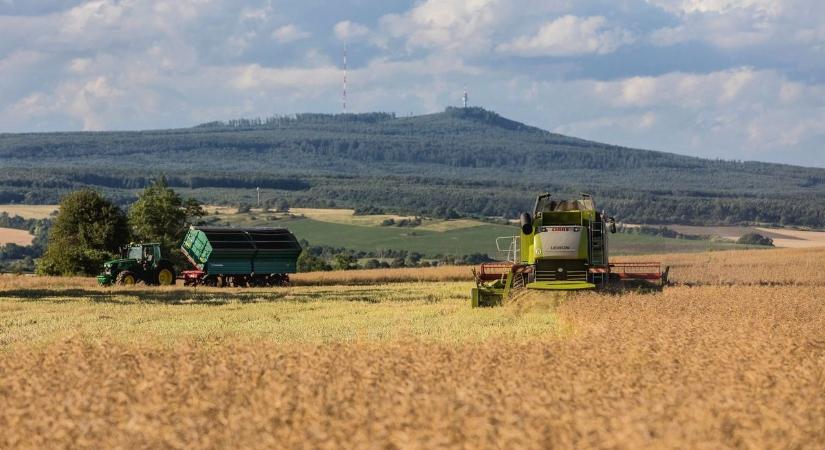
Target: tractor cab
x: 142, y: 253
x: 139, y: 263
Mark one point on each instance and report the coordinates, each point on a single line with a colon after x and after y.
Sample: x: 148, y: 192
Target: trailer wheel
x: 126, y: 278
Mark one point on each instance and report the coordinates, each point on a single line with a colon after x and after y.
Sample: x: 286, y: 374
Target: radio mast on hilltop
x: 466, y: 99
x: 344, y: 91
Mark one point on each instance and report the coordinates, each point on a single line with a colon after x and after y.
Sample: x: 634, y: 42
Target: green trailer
x: 239, y: 256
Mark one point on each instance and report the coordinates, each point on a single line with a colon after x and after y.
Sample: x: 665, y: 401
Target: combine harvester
x: 563, y: 246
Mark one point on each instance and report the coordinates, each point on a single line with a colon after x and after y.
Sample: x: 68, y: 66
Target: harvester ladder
x: 598, y: 250
x: 597, y: 244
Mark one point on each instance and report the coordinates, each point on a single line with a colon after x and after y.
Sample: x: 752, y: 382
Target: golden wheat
x: 732, y: 356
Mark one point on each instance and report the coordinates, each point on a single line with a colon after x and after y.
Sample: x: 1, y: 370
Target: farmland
x: 29, y: 211
x: 340, y: 228
x: 732, y: 355
x: 15, y: 236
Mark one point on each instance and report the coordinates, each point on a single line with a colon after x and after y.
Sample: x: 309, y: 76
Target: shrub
x: 755, y: 239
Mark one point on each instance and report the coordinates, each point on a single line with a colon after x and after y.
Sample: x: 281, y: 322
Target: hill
x: 458, y: 162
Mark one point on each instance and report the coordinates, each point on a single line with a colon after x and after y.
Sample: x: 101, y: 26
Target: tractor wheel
x: 126, y: 278
x: 166, y: 276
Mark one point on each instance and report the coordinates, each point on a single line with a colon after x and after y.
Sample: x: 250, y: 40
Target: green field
x: 462, y: 241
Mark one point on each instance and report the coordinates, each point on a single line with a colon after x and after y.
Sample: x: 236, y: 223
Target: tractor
x: 563, y: 246
x: 139, y: 263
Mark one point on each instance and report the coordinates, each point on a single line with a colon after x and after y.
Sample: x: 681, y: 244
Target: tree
x: 344, y: 261
x: 87, y: 231
x: 309, y: 263
x: 161, y: 215
x: 372, y: 264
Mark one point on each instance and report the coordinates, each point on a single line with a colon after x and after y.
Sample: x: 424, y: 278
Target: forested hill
x: 462, y: 161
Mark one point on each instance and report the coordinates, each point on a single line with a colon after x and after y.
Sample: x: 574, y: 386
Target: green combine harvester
x: 563, y: 246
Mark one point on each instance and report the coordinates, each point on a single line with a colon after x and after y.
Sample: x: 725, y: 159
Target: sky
x: 730, y: 79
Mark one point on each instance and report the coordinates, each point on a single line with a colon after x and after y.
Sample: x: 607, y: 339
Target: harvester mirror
x: 612, y: 225
x: 526, y: 223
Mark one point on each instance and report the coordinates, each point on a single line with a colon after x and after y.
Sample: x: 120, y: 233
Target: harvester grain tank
x: 562, y: 246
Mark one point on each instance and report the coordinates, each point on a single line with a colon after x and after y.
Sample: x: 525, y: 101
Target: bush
x: 755, y: 239
x: 309, y: 263
x: 344, y: 261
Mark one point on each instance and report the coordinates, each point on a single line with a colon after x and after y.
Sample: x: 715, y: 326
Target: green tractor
x: 139, y: 263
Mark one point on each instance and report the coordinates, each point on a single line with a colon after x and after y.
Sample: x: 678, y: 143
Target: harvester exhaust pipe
x: 526, y: 223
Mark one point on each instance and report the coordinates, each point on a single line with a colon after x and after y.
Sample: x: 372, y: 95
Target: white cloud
x: 289, y: 33
x: 348, y: 31
x: 733, y: 24
x: 254, y: 76
x: 107, y: 64
x: 688, y: 90
x: 447, y: 24
x: 740, y: 113
x: 569, y: 35
x: 771, y: 7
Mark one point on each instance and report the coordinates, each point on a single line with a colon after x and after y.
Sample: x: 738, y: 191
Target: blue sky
x: 732, y: 79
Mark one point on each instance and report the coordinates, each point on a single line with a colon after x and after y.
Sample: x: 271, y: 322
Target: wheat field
x: 731, y: 356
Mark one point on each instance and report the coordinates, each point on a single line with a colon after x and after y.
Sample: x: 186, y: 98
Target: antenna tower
x: 466, y: 100
x: 344, y: 91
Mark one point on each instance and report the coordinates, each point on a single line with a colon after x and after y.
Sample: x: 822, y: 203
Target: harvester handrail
x: 508, y: 248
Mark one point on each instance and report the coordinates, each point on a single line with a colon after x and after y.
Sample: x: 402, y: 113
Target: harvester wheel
x: 166, y: 276
x: 126, y: 278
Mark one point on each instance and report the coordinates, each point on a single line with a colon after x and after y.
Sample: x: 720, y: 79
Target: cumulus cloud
x: 569, y: 35
x: 348, y: 31
x: 289, y: 33
x: 447, y: 24
x: 740, y: 113
x: 772, y: 7
x: 732, y: 24
x: 719, y: 78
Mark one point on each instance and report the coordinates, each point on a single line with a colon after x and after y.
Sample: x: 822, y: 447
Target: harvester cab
x: 139, y: 263
x: 562, y: 246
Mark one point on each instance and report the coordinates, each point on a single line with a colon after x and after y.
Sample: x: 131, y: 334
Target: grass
x: 439, y: 239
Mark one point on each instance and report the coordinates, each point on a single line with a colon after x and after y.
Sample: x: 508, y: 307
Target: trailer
x: 239, y: 257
